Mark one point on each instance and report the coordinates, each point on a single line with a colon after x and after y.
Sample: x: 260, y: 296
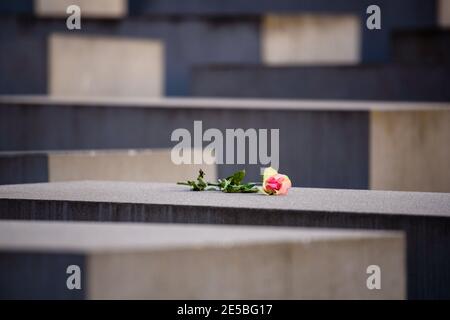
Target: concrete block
x: 335, y: 134
x: 430, y: 46
x: 130, y: 261
x: 444, y: 13
x: 203, y: 32
x: 89, y: 8
x: 236, y: 7
x: 188, y: 40
x: 410, y: 151
x: 424, y: 217
x: 23, y: 167
x: 311, y: 39
x: 131, y: 165
x: 115, y: 165
x: 363, y: 82
x: 16, y: 7
x: 105, y: 66
x: 375, y: 47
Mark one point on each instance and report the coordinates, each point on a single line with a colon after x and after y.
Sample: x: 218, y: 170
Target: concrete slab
x: 428, y: 46
x: 188, y: 40
x: 311, y: 39
x: 336, y: 134
x: 199, y: 34
x: 424, y: 217
x: 443, y: 7
x: 410, y: 151
x: 89, y: 8
x: 105, y: 66
x: 298, y: 200
x: 377, y: 82
x: 114, y: 165
x: 130, y: 261
x: 375, y: 46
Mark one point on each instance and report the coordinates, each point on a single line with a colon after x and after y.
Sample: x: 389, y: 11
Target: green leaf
x: 237, y: 177
x: 232, y: 184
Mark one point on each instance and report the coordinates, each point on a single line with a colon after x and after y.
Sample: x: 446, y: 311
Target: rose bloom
x: 275, y: 183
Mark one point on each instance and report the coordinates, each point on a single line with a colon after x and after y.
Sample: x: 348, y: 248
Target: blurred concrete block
x: 115, y: 165
x: 444, y: 13
x: 188, y: 41
x: 23, y: 167
x: 89, y: 8
x: 16, y: 7
x: 105, y: 66
x: 428, y: 46
x: 334, y: 133
x: 311, y: 39
x: 384, y: 82
x: 207, y: 32
x: 338, y: 157
x: 130, y: 261
x: 410, y: 150
x: 132, y: 165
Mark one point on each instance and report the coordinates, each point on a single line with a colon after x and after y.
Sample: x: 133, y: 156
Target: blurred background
x: 356, y: 108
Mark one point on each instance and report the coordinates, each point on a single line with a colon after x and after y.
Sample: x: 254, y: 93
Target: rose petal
x: 285, y: 185
x: 269, y: 172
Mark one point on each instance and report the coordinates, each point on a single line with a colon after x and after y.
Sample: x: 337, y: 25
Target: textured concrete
x: 105, y: 66
x: 362, y: 82
x: 310, y: 39
x: 130, y: 261
x: 424, y: 217
x: 410, y: 151
x: 299, y: 199
x: 89, y: 8
x: 115, y: 165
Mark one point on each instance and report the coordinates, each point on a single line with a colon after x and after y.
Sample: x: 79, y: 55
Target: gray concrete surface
x: 424, y: 217
x: 205, y: 262
x: 298, y: 199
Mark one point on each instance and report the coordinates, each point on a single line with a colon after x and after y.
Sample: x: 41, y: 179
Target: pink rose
x: 275, y: 183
